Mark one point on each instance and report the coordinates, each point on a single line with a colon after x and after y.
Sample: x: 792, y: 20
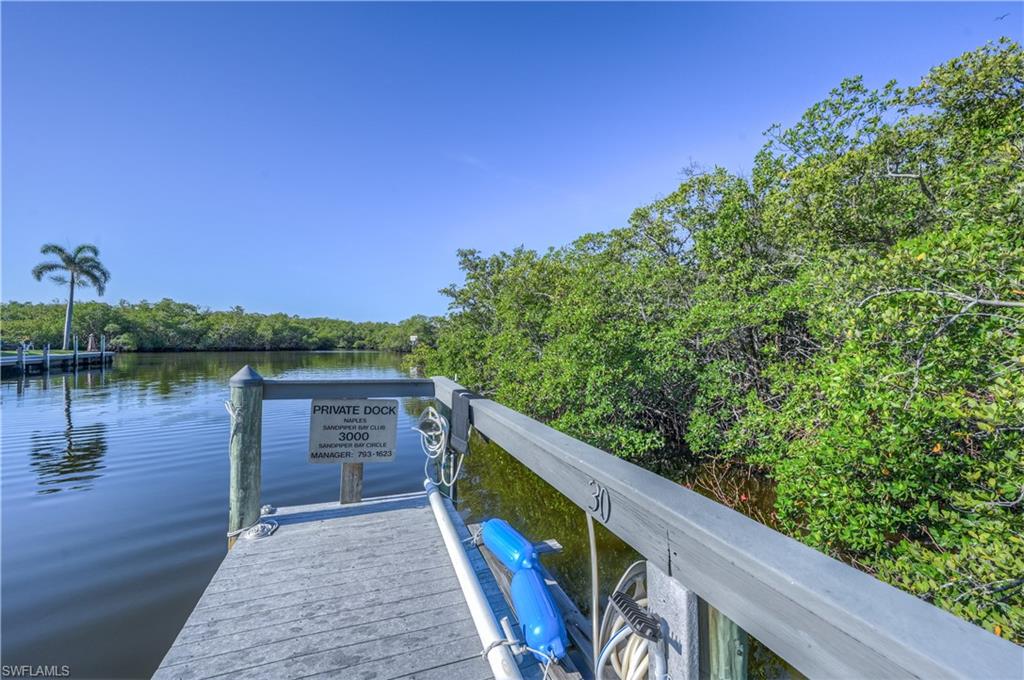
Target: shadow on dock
x: 330, y: 511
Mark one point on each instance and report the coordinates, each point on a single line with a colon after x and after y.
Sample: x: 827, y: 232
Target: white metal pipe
x: 503, y: 665
x: 595, y: 595
x: 657, y: 650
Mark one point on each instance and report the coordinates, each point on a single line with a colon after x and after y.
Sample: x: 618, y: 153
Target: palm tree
x: 80, y: 267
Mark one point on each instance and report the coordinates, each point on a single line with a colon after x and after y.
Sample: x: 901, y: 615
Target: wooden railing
x: 824, y: 617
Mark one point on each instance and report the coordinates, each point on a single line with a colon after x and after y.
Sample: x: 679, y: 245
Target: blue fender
x: 508, y: 545
x: 542, y: 625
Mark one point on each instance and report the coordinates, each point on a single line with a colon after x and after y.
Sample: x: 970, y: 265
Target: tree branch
x: 948, y: 294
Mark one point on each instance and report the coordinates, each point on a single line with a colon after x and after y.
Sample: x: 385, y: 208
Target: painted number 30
x: 600, y: 502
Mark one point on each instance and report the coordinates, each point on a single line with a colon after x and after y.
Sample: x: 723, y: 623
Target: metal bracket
x: 643, y: 623
x: 458, y: 434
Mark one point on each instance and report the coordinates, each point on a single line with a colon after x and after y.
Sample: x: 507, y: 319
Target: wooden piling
x: 21, y: 359
x: 46, y: 358
x: 351, y: 483
x: 74, y: 359
x: 726, y: 647
x: 245, y: 451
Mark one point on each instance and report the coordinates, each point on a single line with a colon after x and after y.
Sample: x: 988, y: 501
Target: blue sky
x: 329, y: 159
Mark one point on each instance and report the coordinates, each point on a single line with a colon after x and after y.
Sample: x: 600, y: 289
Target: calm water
x: 114, y: 498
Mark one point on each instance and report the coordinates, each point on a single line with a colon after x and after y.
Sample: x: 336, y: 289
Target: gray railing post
x: 46, y: 358
x: 679, y: 610
x: 245, y: 451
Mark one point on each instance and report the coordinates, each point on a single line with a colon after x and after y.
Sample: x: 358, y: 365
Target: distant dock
x: 24, y: 363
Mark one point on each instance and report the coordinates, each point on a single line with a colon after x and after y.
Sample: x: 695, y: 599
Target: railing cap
x: 246, y: 375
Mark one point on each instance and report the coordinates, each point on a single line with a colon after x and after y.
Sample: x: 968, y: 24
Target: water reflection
x: 103, y: 580
x: 68, y: 459
x: 158, y: 422
x: 168, y: 373
x: 495, y: 484
x: 413, y: 407
x: 71, y: 458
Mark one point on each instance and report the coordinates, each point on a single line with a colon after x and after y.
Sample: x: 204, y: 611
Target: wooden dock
x: 371, y: 590
x: 364, y: 590
x: 38, y: 363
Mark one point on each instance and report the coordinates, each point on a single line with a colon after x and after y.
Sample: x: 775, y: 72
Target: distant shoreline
x: 172, y: 326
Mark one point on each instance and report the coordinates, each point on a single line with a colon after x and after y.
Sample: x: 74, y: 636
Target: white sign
x: 353, y: 430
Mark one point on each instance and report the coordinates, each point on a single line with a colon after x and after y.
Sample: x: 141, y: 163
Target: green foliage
x: 849, y: 320
x: 176, y: 326
x: 79, y: 267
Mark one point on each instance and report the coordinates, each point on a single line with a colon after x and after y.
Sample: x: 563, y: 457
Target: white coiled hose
x: 626, y: 650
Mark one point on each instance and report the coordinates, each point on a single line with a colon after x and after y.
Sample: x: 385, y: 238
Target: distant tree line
x: 177, y: 326
x: 848, y: 320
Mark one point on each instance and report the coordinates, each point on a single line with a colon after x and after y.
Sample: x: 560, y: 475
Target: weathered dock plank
x: 364, y: 590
